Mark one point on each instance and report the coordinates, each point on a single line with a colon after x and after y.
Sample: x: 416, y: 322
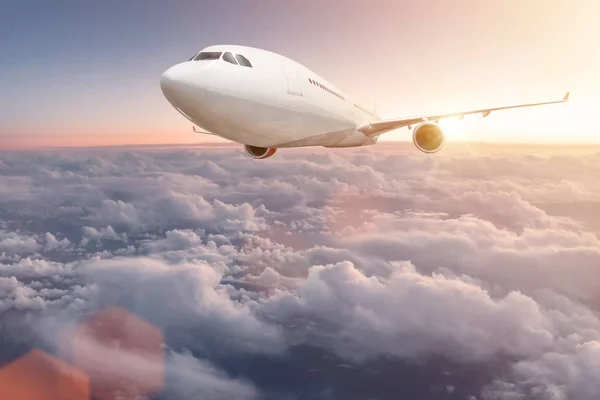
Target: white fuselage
x: 274, y: 103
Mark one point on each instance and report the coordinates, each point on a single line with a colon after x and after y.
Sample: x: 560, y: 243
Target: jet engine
x: 428, y: 137
x: 259, y: 152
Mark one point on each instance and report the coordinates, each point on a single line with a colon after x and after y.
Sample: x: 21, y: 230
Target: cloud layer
x: 317, y: 267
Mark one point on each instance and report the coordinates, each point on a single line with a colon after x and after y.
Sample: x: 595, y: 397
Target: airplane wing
x: 373, y: 129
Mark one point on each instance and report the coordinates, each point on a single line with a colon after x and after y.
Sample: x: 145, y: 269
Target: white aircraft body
x: 266, y: 101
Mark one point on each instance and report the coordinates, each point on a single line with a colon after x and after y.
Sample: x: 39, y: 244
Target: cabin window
x: 229, y: 58
x: 208, y: 55
x: 243, y: 61
x: 325, y: 88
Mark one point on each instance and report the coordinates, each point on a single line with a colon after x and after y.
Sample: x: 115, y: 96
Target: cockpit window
x: 243, y: 61
x: 229, y: 58
x: 194, y: 56
x: 208, y: 55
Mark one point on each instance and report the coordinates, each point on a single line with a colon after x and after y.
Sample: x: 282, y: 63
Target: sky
x: 78, y: 73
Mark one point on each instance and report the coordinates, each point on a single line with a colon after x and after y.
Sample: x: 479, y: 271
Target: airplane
x: 266, y: 102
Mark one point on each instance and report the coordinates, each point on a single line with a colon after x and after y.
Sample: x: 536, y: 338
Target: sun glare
x: 455, y: 128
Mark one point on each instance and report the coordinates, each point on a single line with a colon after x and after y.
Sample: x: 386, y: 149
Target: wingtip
x: 566, y: 98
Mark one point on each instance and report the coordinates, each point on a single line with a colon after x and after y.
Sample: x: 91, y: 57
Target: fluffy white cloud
x: 362, y: 254
x: 409, y: 314
x: 186, y: 294
x: 15, y: 243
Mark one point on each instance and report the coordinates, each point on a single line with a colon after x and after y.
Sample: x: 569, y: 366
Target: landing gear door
x: 294, y: 81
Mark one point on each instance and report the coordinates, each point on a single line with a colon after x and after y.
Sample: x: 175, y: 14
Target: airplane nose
x: 177, y: 84
x: 184, y: 85
x: 172, y: 78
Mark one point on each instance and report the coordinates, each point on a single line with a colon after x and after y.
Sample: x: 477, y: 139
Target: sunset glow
x: 100, y: 86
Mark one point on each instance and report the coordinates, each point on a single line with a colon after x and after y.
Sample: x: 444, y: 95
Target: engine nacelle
x: 259, y: 152
x: 428, y: 137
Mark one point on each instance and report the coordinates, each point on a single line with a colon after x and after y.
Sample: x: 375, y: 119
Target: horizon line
x: 233, y: 144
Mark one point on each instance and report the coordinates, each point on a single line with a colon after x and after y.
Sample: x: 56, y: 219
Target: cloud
x: 361, y: 257
x: 409, y: 314
x: 195, y: 300
x: 123, y: 355
x: 14, y: 243
x: 193, y: 378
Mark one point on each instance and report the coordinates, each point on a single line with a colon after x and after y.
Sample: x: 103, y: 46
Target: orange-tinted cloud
x: 121, y: 353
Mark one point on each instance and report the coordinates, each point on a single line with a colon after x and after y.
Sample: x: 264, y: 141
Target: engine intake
x: 259, y: 152
x: 428, y: 137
